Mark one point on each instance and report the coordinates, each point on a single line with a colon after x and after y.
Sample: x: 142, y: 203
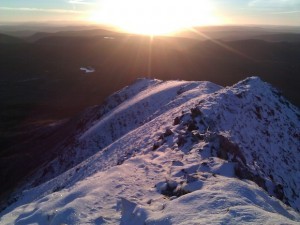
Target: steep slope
x: 252, y: 125
x: 189, y: 152
x: 123, y: 112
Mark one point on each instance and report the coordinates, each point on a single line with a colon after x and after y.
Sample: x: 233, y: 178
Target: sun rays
x: 154, y: 17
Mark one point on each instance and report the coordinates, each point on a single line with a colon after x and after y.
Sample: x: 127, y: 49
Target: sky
x: 267, y: 12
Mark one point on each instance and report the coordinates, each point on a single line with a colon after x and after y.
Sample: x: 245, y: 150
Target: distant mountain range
x: 225, y: 33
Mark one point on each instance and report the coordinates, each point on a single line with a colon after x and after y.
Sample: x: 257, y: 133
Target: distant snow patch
x: 109, y: 38
x: 87, y: 69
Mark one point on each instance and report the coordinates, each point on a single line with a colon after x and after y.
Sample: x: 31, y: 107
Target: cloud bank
x: 41, y: 10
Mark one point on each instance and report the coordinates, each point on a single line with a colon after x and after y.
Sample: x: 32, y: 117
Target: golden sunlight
x: 154, y: 17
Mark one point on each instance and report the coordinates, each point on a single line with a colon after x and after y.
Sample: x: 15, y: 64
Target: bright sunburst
x: 154, y: 17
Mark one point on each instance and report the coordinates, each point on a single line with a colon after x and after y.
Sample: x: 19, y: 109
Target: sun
x: 154, y: 17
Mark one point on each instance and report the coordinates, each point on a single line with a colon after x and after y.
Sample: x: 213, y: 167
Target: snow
x: 109, y: 38
x: 158, y: 171
x: 223, y: 201
x: 87, y: 69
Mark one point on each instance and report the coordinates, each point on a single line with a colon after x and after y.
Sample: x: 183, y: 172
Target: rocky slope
x: 172, y: 152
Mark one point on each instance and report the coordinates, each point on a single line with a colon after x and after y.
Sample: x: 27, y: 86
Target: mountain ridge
x: 181, y: 140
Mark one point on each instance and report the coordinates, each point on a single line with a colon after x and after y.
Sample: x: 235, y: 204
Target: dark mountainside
x: 87, y: 33
x: 6, y: 39
x: 41, y: 84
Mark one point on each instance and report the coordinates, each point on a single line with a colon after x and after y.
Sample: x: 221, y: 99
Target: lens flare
x: 154, y: 17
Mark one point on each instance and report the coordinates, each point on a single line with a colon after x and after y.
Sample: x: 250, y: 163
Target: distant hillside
x: 26, y: 30
x: 81, y: 33
x: 233, y: 33
x: 6, y: 39
x: 280, y: 37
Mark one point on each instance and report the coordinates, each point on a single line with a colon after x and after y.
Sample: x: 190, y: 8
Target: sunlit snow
x: 173, y: 152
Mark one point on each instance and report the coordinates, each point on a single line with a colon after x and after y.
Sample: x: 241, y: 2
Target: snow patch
x: 88, y: 69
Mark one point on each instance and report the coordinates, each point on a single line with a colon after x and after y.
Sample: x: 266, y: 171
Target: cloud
x: 274, y: 3
x: 41, y: 10
x: 275, y: 7
x: 81, y: 2
x: 287, y: 12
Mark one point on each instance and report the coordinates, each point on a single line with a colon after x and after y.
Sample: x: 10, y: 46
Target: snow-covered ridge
x: 121, y: 113
x: 252, y: 125
x: 173, y: 152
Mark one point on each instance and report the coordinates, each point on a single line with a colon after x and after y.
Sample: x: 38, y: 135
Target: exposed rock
x: 181, y: 140
x: 195, y: 112
x: 192, y: 126
x: 176, y: 121
x: 156, y: 145
x: 168, y: 132
x: 227, y: 147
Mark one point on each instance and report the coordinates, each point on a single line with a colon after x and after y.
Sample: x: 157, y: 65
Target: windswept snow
x: 174, y: 152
